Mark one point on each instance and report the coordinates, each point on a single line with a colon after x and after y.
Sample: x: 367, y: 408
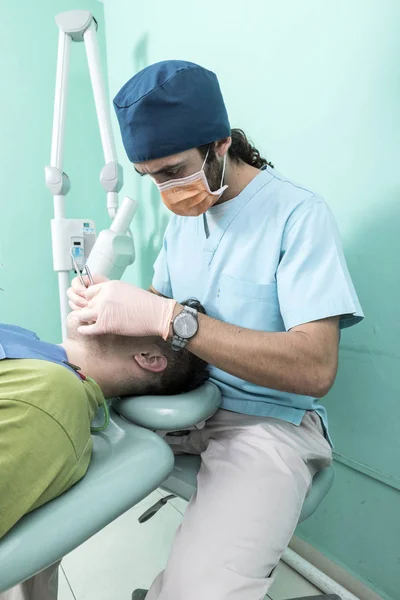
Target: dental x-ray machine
x: 74, y: 241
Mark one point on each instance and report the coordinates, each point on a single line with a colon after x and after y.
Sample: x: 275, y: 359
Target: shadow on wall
x: 363, y: 406
x: 373, y: 253
x: 152, y: 218
x: 364, y: 411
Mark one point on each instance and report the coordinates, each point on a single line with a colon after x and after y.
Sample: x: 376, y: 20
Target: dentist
x: 263, y: 255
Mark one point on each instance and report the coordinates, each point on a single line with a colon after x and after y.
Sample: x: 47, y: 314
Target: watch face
x: 185, y: 325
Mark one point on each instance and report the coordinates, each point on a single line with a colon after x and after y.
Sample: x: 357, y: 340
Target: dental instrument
x: 113, y: 250
x: 85, y: 270
x: 89, y: 275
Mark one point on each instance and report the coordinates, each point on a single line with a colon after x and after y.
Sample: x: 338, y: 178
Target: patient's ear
x: 152, y: 361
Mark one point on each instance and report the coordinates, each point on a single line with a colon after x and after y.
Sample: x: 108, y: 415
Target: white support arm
x: 56, y: 180
x: 111, y: 175
x: 99, y: 93
x: 60, y: 100
x: 78, y: 235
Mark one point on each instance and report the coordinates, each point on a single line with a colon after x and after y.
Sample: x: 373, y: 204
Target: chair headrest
x: 171, y: 413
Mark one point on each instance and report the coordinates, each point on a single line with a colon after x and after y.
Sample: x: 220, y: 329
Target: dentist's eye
x: 172, y: 173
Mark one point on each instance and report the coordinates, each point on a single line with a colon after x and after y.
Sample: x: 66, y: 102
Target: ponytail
x: 241, y: 150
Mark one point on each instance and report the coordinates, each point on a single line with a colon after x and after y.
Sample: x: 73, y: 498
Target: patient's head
x: 125, y: 366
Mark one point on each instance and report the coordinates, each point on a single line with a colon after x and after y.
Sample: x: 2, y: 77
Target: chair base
x: 182, y: 483
x: 139, y: 594
x: 321, y: 597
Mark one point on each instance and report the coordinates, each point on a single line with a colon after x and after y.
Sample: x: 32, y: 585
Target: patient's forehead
x: 72, y: 323
x: 109, y: 342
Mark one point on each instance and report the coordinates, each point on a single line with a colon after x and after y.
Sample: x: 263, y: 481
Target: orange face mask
x: 191, y: 196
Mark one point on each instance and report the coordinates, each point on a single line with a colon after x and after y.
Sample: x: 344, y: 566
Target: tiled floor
x: 125, y: 556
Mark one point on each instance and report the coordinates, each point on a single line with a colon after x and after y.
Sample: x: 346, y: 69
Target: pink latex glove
x: 76, y: 293
x: 124, y: 309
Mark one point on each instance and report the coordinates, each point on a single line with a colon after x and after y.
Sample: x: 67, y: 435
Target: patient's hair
x: 185, y: 371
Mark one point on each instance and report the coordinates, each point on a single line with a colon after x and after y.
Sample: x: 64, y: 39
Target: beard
x: 213, y: 171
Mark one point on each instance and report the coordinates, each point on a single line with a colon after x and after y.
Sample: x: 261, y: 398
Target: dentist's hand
x: 76, y: 293
x: 124, y: 309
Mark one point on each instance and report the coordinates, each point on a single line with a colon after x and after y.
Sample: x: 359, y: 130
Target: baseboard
x: 333, y: 570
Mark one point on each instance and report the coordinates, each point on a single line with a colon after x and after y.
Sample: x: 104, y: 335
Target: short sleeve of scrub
x: 313, y: 281
x: 161, y: 279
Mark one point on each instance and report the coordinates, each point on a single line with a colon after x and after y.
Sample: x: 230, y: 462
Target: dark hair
x: 242, y: 150
x: 185, y: 371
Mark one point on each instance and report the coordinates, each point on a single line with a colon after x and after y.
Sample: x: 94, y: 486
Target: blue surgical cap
x: 169, y: 107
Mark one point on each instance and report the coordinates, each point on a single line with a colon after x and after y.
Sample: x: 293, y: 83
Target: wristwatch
x: 184, y: 327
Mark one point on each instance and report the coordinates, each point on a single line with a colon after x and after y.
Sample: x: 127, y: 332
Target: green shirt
x: 45, y: 441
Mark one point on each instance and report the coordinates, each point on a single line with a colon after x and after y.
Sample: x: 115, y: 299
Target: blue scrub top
x: 273, y: 261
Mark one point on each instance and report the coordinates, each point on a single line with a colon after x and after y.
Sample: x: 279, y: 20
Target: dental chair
x: 178, y: 414
x: 128, y: 463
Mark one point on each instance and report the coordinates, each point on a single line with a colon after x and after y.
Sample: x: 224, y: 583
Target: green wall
x: 28, y: 67
x: 317, y: 86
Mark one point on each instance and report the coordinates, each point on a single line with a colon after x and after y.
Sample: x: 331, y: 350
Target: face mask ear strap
x: 205, y: 160
x: 223, y: 170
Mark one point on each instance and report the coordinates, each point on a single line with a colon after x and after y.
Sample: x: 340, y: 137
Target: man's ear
x: 222, y: 146
x: 152, y: 361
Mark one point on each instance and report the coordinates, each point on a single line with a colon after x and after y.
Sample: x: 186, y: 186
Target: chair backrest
x: 127, y: 464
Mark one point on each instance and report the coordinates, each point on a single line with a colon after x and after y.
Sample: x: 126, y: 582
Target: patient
x: 47, y: 404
